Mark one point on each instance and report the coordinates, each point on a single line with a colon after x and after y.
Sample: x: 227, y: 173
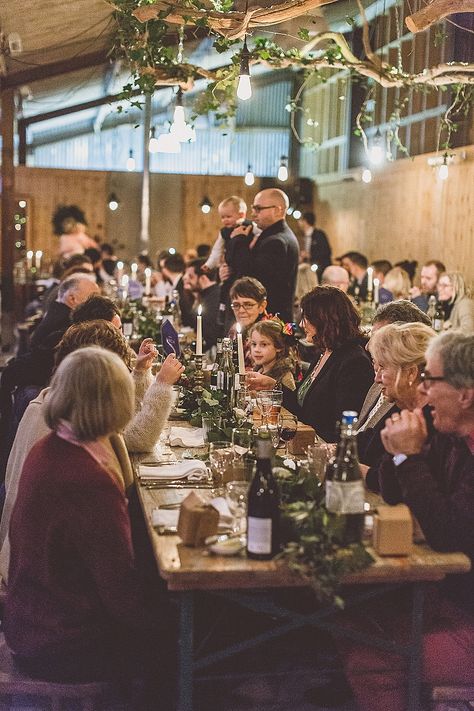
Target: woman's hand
x: 146, y: 355
x: 258, y: 381
x: 170, y: 371
x: 405, y: 432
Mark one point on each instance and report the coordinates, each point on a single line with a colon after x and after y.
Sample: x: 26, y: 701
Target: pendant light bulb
x: 178, y: 115
x: 153, y: 145
x: 443, y: 171
x: 244, y: 88
x: 283, y: 170
x: 130, y: 161
x: 376, y: 151
x: 249, y: 176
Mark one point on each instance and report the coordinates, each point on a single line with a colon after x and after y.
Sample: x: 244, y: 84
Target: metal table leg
x: 185, y: 651
x: 416, y: 649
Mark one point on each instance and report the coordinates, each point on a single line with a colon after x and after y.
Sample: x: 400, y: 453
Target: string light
x: 249, y: 176
x: 443, y: 170
x: 130, y: 161
x: 113, y: 202
x: 283, y: 169
x: 244, y: 88
x: 297, y: 214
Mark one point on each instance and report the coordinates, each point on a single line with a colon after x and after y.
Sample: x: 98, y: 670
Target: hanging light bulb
x: 244, y: 88
x: 376, y: 151
x: 443, y: 171
x: 366, y: 175
x: 178, y: 115
x: 153, y: 144
x: 249, y: 176
x: 168, y: 143
x: 113, y: 202
x: 205, y: 205
x: 130, y: 161
x: 297, y: 214
x: 283, y: 169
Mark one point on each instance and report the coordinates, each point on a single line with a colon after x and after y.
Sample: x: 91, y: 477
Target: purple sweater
x: 438, y: 487
x: 72, y: 577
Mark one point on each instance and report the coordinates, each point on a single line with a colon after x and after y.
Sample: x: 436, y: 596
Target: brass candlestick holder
x: 198, y: 375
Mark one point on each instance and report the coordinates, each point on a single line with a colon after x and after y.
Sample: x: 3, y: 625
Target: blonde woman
x: 456, y: 301
x: 398, y: 351
x: 398, y: 283
x: 74, y: 609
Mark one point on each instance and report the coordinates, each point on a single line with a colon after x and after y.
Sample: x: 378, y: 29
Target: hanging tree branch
x: 435, y: 11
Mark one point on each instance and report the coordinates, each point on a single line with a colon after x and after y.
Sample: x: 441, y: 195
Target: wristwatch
x: 399, y: 459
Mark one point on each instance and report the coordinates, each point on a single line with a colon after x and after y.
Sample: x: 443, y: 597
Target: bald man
x: 336, y: 276
x: 272, y: 257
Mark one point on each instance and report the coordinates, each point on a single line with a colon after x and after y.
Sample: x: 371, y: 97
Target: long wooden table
x: 189, y: 570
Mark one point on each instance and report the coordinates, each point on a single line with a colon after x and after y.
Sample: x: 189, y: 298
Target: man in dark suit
x: 316, y: 245
x: 205, y: 289
x: 272, y: 257
x: 356, y: 264
x: 172, y: 267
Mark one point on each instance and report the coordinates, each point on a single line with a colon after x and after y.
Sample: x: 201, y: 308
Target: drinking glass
x: 277, y: 399
x: 289, y: 426
x: 221, y: 457
x: 241, y: 441
x: 264, y: 403
x: 210, y: 423
x: 236, y: 493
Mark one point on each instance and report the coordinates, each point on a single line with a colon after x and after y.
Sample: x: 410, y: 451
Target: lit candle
x: 240, y: 349
x: 376, y: 290
x: 147, y: 281
x: 134, y: 268
x: 199, y: 331
x: 370, y: 279
x: 29, y: 259
x: 124, y: 284
x: 119, y: 272
x: 38, y: 256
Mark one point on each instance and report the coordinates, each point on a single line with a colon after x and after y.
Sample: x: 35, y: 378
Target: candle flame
x: 200, y: 310
x: 238, y: 328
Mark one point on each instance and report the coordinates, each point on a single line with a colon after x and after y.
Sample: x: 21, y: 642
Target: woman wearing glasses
x: 457, y: 305
x: 248, y: 300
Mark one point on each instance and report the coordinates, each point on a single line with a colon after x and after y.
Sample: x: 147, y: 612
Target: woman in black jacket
x: 341, y: 376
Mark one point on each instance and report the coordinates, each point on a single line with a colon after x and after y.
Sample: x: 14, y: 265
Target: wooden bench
x: 444, y: 697
x: 13, y: 682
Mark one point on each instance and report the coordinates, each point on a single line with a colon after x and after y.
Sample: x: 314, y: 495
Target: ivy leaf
x: 303, y: 33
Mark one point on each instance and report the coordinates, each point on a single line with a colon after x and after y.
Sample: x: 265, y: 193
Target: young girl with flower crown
x: 272, y: 351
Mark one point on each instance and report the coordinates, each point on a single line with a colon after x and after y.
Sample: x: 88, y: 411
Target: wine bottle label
x: 127, y: 329
x: 437, y: 325
x: 345, y: 497
x: 259, y: 535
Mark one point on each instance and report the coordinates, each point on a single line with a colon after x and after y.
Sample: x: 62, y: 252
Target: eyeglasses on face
x: 259, y: 208
x: 246, y: 306
x: 426, y: 378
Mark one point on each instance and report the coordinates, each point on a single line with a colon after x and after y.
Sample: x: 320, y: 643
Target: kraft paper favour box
x: 197, y: 520
x: 303, y: 438
x: 393, y: 530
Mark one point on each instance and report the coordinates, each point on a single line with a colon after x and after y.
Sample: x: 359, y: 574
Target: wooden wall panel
x: 46, y: 189
x: 406, y: 212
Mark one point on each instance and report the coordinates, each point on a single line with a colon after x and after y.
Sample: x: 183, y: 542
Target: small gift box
x: 197, y: 520
x: 393, y: 530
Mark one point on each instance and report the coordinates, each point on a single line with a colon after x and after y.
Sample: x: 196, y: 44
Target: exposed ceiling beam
x: 47, y: 71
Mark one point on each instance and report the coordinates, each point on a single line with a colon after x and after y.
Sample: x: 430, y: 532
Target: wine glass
x: 289, y: 426
x: 264, y: 403
x: 274, y: 429
x: 241, y: 441
x: 236, y: 493
x: 277, y: 399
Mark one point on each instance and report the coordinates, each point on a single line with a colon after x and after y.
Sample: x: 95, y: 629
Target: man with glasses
x: 434, y: 476
x: 273, y: 257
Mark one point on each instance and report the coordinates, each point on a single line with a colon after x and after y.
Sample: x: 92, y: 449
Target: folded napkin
x: 165, y: 518
x: 192, y: 469
x: 186, y: 437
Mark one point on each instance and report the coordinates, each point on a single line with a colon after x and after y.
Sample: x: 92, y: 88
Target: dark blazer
x: 320, y: 251
x: 274, y: 262
x: 342, y: 384
x: 186, y: 302
x: 369, y: 443
x: 56, y: 318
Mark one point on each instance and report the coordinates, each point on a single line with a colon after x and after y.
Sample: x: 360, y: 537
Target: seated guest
x: 397, y: 282
x: 336, y: 276
x: 381, y: 268
x: 398, y: 351
x: 206, y: 290
x: 203, y: 250
x: 409, y: 266
x: 273, y: 352
x: 339, y: 379
x: 356, y: 265
x: 375, y: 405
x: 152, y: 407
x: 436, y: 480
x: 430, y: 273
x: 77, y: 264
x: 109, y: 261
x: 96, y: 307
x: 172, y: 267
x: 75, y: 608
x: 457, y: 304
x: 248, y: 300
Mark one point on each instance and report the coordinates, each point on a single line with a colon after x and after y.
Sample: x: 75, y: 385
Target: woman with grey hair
x: 75, y: 609
x: 456, y: 301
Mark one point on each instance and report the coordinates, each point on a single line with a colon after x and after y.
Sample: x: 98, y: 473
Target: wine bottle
x: 438, y: 320
x: 345, y: 494
x: 175, y: 310
x: 263, y: 509
x: 128, y: 320
x: 217, y: 365
x: 431, y: 308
